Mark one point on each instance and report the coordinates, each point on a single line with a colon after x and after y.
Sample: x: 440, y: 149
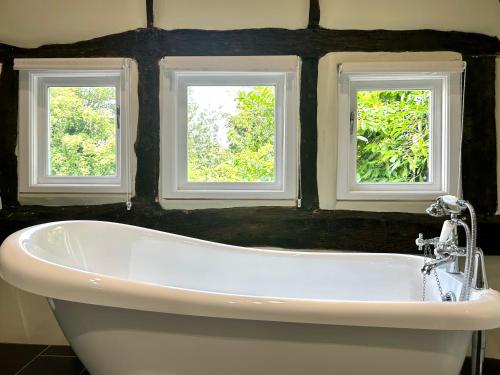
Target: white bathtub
x: 133, y: 301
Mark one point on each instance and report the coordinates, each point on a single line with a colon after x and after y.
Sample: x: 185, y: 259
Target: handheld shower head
x: 452, y: 204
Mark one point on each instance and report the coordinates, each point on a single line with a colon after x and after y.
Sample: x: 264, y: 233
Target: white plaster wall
x: 31, y: 23
x: 26, y: 318
x: 231, y: 14
x: 328, y: 126
x: 493, y: 336
x: 481, y: 16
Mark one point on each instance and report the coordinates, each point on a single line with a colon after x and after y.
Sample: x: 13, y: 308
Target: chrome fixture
x: 447, y: 251
x: 446, y: 248
x: 446, y: 205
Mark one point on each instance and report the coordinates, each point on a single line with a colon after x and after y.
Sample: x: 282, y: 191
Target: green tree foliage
x: 82, y: 131
x: 393, y: 136
x: 205, y: 154
x: 249, y: 154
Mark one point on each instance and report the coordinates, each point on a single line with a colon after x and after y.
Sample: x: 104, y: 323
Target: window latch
x: 351, y: 121
x: 118, y: 117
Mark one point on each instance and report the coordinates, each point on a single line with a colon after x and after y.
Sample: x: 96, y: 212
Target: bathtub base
x: 113, y: 341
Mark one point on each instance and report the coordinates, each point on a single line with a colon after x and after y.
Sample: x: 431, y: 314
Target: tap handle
x: 420, y: 242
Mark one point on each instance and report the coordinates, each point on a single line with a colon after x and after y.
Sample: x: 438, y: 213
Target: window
x: 74, y: 125
x: 399, y: 130
x: 229, y: 127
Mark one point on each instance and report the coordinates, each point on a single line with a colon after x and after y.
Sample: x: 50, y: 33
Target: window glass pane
x: 230, y: 133
x: 82, y: 131
x: 393, y: 136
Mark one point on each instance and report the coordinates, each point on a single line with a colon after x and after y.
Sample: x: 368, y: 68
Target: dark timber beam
x: 307, y: 227
x: 264, y: 226
x: 150, y: 13
x: 479, y: 144
x: 8, y: 133
x: 314, y: 14
x: 310, y: 43
x: 5, y: 52
x: 309, y: 133
x: 147, y: 145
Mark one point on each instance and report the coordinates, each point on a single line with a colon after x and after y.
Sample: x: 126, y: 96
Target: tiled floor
x: 18, y: 359
x: 491, y: 367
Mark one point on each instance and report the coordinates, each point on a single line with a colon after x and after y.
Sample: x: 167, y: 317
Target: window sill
x: 414, y: 207
x: 197, y: 204
x: 64, y: 199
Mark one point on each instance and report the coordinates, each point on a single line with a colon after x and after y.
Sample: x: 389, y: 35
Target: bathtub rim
x: 35, y: 275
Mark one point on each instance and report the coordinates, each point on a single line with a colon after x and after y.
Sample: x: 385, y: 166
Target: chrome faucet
x: 446, y: 259
x: 446, y: 248
x: 447, y: 251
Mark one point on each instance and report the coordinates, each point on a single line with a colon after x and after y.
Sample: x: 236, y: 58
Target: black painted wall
x: 305, y: 227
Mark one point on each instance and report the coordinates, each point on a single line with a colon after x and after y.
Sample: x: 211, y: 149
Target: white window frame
x: 443, y: 79
x: 36, y: 76
x: 177, y: 73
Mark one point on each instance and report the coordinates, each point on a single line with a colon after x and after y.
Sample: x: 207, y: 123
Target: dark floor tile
x: 60, y: 350
x: 54, y: 366
x: 466, y: 367
x: 491, y: 366
x: 14, y: 356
